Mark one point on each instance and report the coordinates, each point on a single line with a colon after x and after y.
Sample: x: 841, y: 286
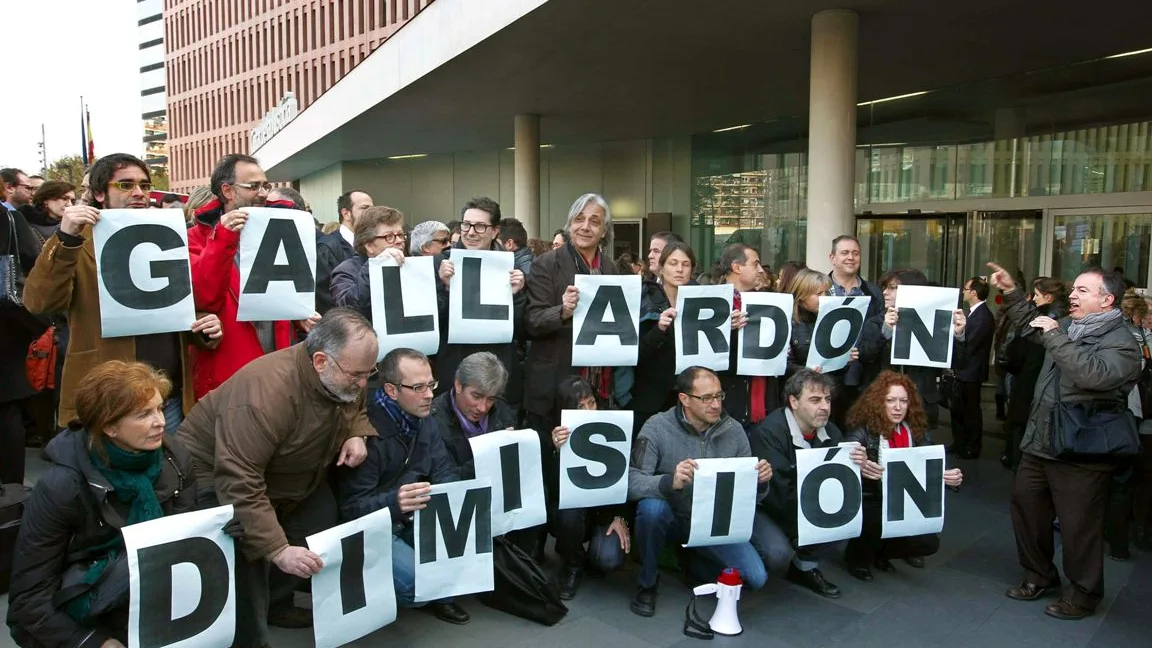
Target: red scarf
x: 901, y: 437
x: 599, y: 377
x: 757, y: 385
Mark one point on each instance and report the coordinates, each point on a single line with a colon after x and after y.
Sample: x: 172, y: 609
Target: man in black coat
x: 403, y: 462
x: 335, y: 248
x: 970, y: 365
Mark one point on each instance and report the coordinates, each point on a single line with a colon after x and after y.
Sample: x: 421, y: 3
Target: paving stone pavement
x: 957, y: 601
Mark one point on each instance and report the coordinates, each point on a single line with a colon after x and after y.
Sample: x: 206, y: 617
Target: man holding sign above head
x: 1091, y: 363
x: 65, y: 279
x: 660, y: 481
x: 406, y: 458
x: 238, y: 183
x: 263, y: 442
x: 888, y: 415
x: 379, y: 231
x: 479, y: 231
x: 802, y: 424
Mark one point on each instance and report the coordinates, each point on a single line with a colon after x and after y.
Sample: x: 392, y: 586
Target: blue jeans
x: 404, y: 574
x: 657, y: 525
x: 173, y: 414
x: 777, y: 548
x: 573, y: 529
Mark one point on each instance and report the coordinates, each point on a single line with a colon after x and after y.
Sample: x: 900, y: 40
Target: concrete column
x: 831, y: 133
x: 527, y: 172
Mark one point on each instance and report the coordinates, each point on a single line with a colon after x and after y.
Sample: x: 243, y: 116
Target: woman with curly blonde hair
x: 888, y: 415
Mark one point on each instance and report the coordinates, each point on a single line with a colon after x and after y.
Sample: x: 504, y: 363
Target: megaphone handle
x: 706, y: 589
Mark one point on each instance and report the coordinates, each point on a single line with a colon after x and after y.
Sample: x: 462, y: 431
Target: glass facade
x: 1105, y: 240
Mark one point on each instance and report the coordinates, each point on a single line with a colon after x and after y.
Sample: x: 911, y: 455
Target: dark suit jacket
x: 331, y: 251
x: 970, y: 359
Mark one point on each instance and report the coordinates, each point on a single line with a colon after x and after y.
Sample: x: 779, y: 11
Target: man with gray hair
x: 472, y: 406
x: 263, y: 441
x: 429, y: 238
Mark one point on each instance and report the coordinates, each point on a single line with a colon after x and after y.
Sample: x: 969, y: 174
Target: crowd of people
x: 297, y: 426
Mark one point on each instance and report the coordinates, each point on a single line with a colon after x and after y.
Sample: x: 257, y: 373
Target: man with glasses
x: 17, y: 189
x: 379, y: 231
x: 64, y: 280
x: 263, y: 442
x: 406, y: 458
x: 429, y: 238
x: 660, y: 482
x: 337, y: 247
x: 238, y: 182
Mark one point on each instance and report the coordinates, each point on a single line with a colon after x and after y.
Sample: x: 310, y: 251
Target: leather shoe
x: 1027, y: 591
x: 813, y: 580
x: 570, y: 583
x: 1067, y: 610
x: 448, y: 612
x: 915, y: 561
x: 290, y: 617
x: 884, y: 565
x: 644, y: 603
x: 861, y: 571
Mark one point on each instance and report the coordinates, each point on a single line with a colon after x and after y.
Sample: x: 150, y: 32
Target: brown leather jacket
x: 265, y: 438
x: 64, y: 280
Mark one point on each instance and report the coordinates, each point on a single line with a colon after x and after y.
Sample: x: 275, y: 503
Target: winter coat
x: 351, y: 287
x: 656, y: 367
x: 1023, y: 357
x: 216, y: 288
x: 69, y: 515
x: 393, y: 461
x: 20, y: 327
x: 331, y: 250
x: 265, y: 438
x: 500, y: 417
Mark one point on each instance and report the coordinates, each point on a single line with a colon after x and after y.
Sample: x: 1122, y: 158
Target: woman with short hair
x: 113, y: 467
x: 888, y: 415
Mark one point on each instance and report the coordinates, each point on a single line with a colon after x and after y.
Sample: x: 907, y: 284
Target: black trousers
x: 967, y: 418
x: 533, y: 539
x: 260, y: 586
x: 12, y: 442
x: 1142, y: 491
x: 1045, y: 489
x: 870, y: 546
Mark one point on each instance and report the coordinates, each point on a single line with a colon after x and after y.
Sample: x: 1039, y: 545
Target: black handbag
x: 521, y: 587
x: 1092, y: 431
x: 947, y: 389
x: 11, y: 274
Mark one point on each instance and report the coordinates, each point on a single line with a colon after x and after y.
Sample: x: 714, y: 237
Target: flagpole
x: 83, y: 135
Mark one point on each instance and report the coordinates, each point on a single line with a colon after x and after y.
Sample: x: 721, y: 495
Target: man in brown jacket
x: 263, y: 441
x: 64, y: 280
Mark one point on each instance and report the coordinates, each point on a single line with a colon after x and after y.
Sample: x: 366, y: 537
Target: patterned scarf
x: 599, y: 377
x: 407, y: 424
x: 1092, y: 323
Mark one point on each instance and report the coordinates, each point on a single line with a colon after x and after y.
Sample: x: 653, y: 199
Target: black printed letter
x: 281, y: 231
x: 929, y: 498
x: 621, y: 325
x: 692, y: 326
x: 510, y: 476
x: 582, y: 445
x: 395, y: 321
x: 822, y: 338
x: 115, y: 263
x: 352, y: 595
x: 810, y: 496
x: 934, y: 342
x: 155, y: 571
x: 722, y: 504
x: 757, y: 313
x: 470, y: 306
x: 438, y: 514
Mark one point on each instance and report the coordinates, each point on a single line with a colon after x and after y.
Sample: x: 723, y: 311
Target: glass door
x: 1104, y: 238
x: 930, y: 243
x: 1009, y: 238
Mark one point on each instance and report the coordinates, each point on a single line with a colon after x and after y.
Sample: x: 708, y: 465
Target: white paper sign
x: 594, y: 460
x: 913, y: 491
x: 723, y: 501
x: 480, y: 307
x: 277, y: 262
x: 828, y: 495
x: 923, y: 334
x: 610, y: 337
x: 453, y: 535
x: 764, y: 341
x: 145, y: 276
x: 703, y: 326
x: 510, y: 460
x: 408, y: 317
x: 838, y: 326
x: 353, y: 595
x: 181, y: 590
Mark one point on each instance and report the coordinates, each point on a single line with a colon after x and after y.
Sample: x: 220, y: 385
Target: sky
x: 62, y: 49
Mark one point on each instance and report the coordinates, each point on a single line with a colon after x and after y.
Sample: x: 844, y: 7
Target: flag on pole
x: 91, y: 144
x: 83, y: 135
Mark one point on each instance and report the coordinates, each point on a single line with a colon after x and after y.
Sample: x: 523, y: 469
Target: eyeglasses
x: 709, y: 399
x: 479, y: 227
x: 421, y: 388
x: 254, y: 186
x: 390, y: 237
x: 441, y: 241
x: 355, y: 375
x: 129, y: 185
x: 27, y: 186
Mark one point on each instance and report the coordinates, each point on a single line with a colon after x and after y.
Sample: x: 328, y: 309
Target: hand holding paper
x: 683, y: 476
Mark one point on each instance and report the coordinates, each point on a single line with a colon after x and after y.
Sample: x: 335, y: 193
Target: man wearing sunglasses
x: 660, y: 482
x: 238, y: 182
x: 64, y: 280
x: 403, y: 463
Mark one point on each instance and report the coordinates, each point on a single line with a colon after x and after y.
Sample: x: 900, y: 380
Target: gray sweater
x: 667, y: 439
